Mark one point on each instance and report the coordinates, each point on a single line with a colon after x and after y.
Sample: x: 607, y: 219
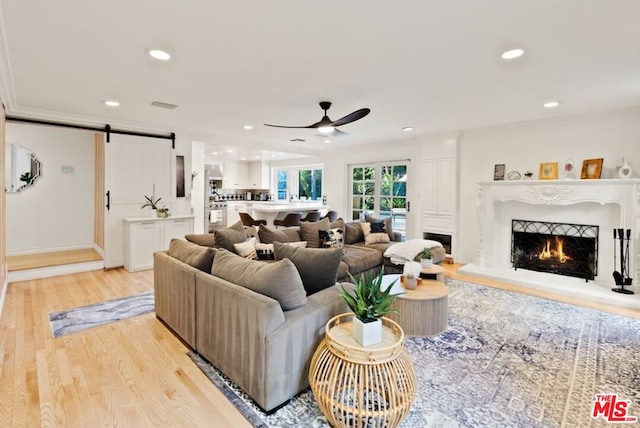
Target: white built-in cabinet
x: 233, y: 211
x: 245, y: 175
x: 258, y: 175
x: 144, y: 236
x: 438, y: 195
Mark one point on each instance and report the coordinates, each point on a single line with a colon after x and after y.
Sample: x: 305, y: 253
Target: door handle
x: 108, y: 200
x: 408, y: 206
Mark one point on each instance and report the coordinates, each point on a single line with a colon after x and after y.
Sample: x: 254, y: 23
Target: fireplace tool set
x: 622, y: 277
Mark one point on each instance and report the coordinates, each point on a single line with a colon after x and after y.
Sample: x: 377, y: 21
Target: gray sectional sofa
x: 254, y: 321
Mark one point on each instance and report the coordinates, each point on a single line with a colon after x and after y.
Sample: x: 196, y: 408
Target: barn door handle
x: 108, y: 200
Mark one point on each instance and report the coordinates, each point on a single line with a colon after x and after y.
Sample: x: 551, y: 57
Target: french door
x: 380, y: 190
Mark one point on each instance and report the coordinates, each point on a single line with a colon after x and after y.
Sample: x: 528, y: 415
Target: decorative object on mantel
x: 591, y: 168
x: 514, y: 175
x: 548, y: 171
x: 369, y: 304
x: 498, y: 172
x: 528, y: 175
x: 625, y: 170
x: 152, y: 202
x: 622, y: 277
x: 568, y: 171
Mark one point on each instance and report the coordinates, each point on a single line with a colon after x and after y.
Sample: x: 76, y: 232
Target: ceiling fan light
x: 326, y: 129
x: 513, y: 54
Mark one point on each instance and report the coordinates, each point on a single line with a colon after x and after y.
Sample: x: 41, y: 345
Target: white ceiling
x: 433, y: 65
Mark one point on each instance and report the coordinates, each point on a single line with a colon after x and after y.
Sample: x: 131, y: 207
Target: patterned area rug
x: 84, y: 317
x: 507, y: 360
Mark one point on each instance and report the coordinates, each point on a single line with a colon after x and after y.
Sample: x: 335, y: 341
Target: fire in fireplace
x: 560, y: 248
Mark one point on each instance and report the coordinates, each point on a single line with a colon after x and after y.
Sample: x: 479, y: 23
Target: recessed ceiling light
x: 158, y: 54
x: 513, y: 54
x: 214, y: 153
x: 551, y: 104
x: 243, y: 158
x: 112, y: 103
x: 248, y: 127
x: 229, y: 151
x: 327, y: 141
x: 407, y: 128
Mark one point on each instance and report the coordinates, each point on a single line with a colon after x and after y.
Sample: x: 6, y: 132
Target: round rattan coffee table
x: 359, y: 386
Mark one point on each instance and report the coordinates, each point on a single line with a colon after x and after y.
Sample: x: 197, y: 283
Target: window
x: 380, y: 190
x: 299, y: 183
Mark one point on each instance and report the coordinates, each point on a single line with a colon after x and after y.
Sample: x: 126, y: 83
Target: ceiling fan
x: 328, y: 126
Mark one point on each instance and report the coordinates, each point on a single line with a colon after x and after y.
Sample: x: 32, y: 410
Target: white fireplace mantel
x: 607, y: 203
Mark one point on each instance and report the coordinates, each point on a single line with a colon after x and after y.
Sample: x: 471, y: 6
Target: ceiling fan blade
x: 338, y: 133
x: 285, y: 126
x: 352, y: 117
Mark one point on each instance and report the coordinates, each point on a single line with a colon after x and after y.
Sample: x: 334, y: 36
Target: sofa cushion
x: 265, y: 251
x: 374, y: 233
x: 309, y: 231
x: 353, y: 232
x: 332, y: 238
x: 361, y: 258
x: 318, y: 267
x: 387, y: 224
x: 268, y: 235
x: 204, y: 239
x: 192, y: 254
x: 246, y: 249
x: 279, y: 280
x: 226, y: 238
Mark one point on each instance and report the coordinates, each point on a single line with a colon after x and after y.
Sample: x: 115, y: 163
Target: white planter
x: 367, y: 333
x: 426, y: 263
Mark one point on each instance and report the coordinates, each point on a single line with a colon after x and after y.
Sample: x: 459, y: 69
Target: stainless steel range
x: 215, y: 216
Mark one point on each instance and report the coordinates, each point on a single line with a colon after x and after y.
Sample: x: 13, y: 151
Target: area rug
x: 506, y: 360
x: 84, y: 317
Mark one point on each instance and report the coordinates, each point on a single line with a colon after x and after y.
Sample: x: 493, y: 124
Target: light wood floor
x: 57, y: 258
x: 131, y: 373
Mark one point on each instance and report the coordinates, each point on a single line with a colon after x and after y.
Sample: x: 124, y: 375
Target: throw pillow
x: 309, y: 231
x: 387, y: 224
x: 279, y: 280
x: 332, y: 238
x: 371, y: 237
x: 226, y: 238
x: 269, y: 235
x: 265, y: 251
x: 195, y: 255
x: 353, y: 232
x: 317, y: 267
x: 247, y: 249
x: 204, y: 239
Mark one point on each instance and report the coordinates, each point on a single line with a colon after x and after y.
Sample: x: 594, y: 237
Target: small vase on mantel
x: 367, y: 333
x: 625, y: 170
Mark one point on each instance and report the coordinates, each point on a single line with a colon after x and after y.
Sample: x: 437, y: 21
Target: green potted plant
x: 152, y: 202
x: 426, y: 257
x: 369, y: 303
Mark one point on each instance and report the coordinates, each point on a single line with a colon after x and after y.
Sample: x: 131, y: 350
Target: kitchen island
x: 269, y: 211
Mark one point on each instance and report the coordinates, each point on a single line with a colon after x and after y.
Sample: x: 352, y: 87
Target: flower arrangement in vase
x: 152, y: 202
x: 426, y: 257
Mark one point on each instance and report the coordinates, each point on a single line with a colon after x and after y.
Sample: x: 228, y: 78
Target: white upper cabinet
x: 258, y: 175
x: 245, y: 175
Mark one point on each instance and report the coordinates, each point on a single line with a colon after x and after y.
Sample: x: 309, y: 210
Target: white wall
x: 522, y: 147
x: 57, y: 211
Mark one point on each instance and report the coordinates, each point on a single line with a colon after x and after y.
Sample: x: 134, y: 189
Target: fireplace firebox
x: 559, y: 248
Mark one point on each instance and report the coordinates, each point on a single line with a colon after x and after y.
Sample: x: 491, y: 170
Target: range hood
x: 214, y: 171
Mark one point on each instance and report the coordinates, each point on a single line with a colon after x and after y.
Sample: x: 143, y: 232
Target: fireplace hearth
x: 559, y: 248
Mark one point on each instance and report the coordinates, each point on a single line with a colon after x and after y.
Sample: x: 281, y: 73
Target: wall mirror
x: 23, y: 168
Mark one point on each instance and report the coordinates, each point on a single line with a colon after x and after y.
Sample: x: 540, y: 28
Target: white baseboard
x: 46, y: 272
x: 3, y: 293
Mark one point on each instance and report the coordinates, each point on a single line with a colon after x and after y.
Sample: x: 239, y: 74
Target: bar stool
x: 312, y: 216
x: 247, y: 220
x: 291, y: 219
x: 332, y: 216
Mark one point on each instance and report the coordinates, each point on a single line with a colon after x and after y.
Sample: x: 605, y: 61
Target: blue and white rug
x: 84, y: 317
x: 507, y: 360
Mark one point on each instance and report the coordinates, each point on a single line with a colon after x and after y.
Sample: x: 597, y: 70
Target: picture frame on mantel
x: 498, y: 172
x: 591, y: 169
x: 548, y: 171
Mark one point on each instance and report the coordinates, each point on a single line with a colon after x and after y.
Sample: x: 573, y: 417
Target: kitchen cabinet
x: 258, y: 175
x: 233, y: 210
x: 143, y: 236
x: 235, y: 175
